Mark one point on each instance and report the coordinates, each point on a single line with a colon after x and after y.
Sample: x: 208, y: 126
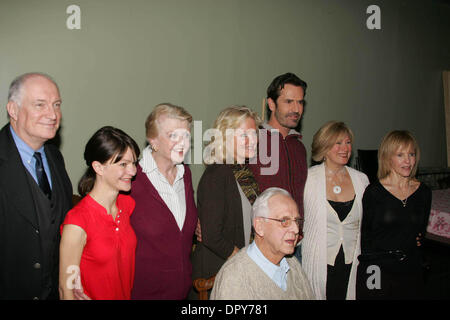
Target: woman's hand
x: 419, y: 240
x: 79, y: 294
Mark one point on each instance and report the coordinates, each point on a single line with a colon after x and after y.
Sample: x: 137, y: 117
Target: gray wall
x: 208, y: 54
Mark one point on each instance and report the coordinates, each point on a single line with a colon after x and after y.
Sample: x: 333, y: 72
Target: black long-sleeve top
x: 388, y: 225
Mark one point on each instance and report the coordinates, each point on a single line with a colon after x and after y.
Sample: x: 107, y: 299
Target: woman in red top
x: 97, y: 251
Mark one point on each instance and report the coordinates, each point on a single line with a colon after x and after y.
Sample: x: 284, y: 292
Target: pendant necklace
x: 406, y: 199
x: 337, y: 188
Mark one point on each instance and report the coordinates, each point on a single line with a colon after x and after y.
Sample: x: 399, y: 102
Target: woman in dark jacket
x: 226, y: 191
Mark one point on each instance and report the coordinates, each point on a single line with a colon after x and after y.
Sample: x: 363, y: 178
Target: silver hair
x: 15, y: 89
x: 261, y: 205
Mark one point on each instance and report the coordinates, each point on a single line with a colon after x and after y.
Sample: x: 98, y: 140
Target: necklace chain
x: 330, y: 175
x: 406, y: 199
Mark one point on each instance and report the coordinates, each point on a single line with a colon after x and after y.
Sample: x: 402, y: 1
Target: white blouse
x: 343, y: 233
x: 173, y: 195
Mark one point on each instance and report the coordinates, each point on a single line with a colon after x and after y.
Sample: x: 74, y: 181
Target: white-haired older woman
x: 227, y: 190
x: 165, y: 215
x: 333, y: 212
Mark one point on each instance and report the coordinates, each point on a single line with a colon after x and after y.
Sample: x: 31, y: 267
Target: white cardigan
x: 314, y: 243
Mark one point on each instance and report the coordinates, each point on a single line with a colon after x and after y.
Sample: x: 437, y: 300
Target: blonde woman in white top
x: 333, y: 213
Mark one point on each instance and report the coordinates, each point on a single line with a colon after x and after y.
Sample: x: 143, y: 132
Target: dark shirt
x: 220, y: 212
x: 342, y: 208
x: 388, y: 225
x: 290, y: 162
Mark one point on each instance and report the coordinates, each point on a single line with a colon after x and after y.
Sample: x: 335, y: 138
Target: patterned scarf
x: 246, y: 180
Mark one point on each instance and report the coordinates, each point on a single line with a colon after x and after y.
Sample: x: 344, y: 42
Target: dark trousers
x: 337, y: 277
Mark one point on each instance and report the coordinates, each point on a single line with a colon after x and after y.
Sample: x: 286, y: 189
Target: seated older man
x: 262, y: 270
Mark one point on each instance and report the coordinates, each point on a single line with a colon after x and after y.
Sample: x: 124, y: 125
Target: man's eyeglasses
x: 286, y: 221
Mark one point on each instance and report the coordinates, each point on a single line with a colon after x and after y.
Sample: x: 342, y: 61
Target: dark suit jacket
x: 20, y: 241
x: 220, y: 213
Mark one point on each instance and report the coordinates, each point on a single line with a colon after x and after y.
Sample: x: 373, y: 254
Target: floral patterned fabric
x: 439, y: 222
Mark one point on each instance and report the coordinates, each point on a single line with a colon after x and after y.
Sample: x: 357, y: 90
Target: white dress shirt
x: 173, y: 195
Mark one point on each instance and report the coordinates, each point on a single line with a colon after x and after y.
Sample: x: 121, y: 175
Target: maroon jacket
x: 163, y: 266
x: 292, y: 168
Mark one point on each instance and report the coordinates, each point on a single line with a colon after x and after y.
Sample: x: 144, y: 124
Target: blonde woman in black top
x: 396, y: 210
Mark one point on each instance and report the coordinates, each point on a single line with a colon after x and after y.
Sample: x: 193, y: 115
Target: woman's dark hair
x: 277, y: 84
x: 106, y: 144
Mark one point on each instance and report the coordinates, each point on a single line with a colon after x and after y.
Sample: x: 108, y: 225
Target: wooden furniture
x: 202, y: 285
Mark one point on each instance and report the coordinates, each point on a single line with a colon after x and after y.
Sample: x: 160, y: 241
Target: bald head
x: 34, y: 108
x: 15, y: 92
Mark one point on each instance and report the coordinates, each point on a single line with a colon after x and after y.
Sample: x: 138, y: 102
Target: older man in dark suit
x: 35, y: 190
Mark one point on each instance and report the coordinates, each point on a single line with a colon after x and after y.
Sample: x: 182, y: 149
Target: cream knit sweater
x: 240, y: 278
x: 314, y: 243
